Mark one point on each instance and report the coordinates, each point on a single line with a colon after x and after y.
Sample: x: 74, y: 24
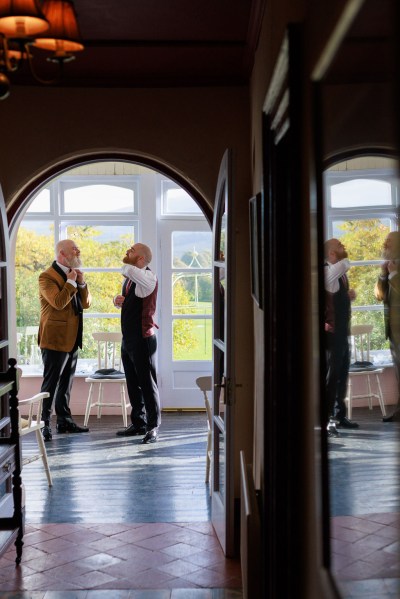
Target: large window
x: 361, y: 208
x: 102, y: 215
x: 105, y: 214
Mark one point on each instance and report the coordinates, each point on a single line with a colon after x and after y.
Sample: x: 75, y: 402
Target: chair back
x: 361, y: 341
x: 204, y: 383
x: 33, y: 420
x: 108, y: 350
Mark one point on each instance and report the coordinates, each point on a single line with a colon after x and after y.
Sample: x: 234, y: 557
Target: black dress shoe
x: 150, y: 436
x: 395, y: 417
x: 131, y: 431
x: 346, y: 423
x: 46, y: 432
x: 332, y: 430
x: 71, y: 427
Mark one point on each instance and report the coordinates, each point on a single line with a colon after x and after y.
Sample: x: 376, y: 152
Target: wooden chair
x: 204, y: 383
x: 32, y: 423
x: 108, y: 359
x: 361, y: 340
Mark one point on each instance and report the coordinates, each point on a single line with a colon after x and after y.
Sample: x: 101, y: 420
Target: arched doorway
x: 107, y: 205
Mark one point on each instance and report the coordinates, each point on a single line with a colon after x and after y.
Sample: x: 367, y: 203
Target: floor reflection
x: 365, y: 507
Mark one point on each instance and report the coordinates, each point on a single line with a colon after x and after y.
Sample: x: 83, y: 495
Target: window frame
x: 368, y: 212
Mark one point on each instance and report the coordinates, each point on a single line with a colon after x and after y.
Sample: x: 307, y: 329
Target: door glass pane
x: 102, y: 246
x: 222, y: 239
x: 99, y: 198
x: 192, y: 339
x: 221, y: 463
x: 191, y: 249
x: 191, y: 293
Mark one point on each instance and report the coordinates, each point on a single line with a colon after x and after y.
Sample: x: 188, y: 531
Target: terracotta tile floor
x: 152, y: 556
x: 113, y: 530
x: 365, y: 523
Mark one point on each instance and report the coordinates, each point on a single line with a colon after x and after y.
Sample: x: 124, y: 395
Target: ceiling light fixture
x: 50, y: 26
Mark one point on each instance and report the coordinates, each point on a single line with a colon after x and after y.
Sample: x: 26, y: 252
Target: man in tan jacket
x: 387, y: 290
x: 63, y: 294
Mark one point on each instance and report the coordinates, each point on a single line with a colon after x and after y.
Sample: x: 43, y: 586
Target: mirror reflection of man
x: 387, y: 290
x: 337, y: 330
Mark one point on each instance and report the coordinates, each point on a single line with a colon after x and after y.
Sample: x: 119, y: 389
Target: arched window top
x: 361, y: 192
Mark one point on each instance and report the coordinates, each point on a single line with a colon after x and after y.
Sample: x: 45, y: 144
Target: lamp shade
x: 63, y: 35
x: 21, y: 19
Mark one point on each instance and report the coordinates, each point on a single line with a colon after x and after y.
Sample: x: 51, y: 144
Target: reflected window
x: 361, y: 193
x: 361, y: 209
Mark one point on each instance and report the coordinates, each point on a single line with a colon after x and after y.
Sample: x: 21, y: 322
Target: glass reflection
x: 221, y: 464
x: 223, y: 232
x: 362, y: 289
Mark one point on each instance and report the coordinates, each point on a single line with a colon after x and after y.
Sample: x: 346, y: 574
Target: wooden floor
x: 131, y: 521
x: 99, y: 474
x: 365, y: 507
x: 122, y: 520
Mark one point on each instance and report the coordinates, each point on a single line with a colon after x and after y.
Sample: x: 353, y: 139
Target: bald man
x: 139, y: 342
x: 337, y: 330
x: 387, y: 290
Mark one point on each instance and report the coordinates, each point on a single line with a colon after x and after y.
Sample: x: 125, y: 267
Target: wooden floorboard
x: 365, y: 466
x: 99, y: 477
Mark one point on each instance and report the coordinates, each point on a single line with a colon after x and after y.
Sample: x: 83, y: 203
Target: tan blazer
x: 58, y: 328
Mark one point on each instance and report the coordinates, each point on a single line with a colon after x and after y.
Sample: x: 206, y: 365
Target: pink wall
x: 31, y: 385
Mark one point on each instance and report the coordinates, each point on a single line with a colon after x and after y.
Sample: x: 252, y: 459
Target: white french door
x: 222, y: 508
x: 185, y: 305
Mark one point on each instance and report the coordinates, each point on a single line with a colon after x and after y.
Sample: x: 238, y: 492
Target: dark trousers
x: 58, y: 375
x: 338, y: 362
x: 395, y: 351
x: 138, y: 358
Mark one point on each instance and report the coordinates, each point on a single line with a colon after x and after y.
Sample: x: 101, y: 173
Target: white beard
x: 75, y: 262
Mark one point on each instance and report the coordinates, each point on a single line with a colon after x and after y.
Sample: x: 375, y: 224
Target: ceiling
x: 158, y: 43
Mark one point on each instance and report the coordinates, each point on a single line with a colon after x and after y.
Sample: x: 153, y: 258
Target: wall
x: 186, y: 130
